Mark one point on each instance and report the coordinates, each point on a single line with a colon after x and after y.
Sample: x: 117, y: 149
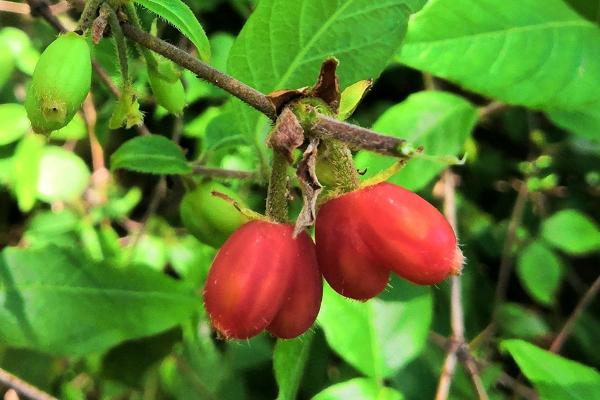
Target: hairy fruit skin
x: 211, y: 219
x: 262, y: 278
x: 364, y: 234
x: 61, y: 80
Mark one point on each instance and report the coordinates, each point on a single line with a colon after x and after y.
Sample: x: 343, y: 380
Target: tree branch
x: 358, y: 137
x: 240, y: 90
x: 25, y: 388
x: 223, y: 173
x: 457, y: 345
x: 506, y: 258
x: 568, y: 327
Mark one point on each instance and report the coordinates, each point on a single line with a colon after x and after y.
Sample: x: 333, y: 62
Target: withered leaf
x: 98, y: 26
x: 286, y: 135
x: 280, y: 98
x: 310, y: 186
x: 328, y: 86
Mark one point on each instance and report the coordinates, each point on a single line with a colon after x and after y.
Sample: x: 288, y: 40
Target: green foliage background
x: 92, y: 306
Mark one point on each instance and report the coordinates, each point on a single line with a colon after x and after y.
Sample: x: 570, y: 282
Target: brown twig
x: 457, y: 342
x: 491, y: 109
x: 223, y: 173
x: 14, y: 7
x: 568, y: 326
x: 242, y: 91
x: 356, y: 136
x: 101, y: 175
x: 504, y: 379
x: 506, y: 258
x: 25, y: 388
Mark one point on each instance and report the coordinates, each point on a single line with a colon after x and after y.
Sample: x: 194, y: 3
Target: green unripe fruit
x: 61, y: 80
x: 167, y: 88
x: 209, y: 218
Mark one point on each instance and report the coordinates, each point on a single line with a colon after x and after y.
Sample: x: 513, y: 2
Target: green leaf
x: 480, y: 44
x: 584, y: 122
x: 358, y: 388
x: 553, y: 376
x: 377, y: 337
x: 439, y: 121
x: 177, y: 13
x: 289, y: 359
x: 540, y: 272
x: 283, y: 44
x: 152, y: 154
x: 351, y: 96
x: 63, y: 175
x: 517, y: 321
x: 42, y: 289
x: 13, y: 122
x: 572, y: 232
x: 26, y: 170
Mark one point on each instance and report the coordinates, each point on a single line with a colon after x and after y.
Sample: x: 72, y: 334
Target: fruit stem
x: 131, y: 13
x: 339, y: 157
x: 277, y: 207
x: 117, y: 33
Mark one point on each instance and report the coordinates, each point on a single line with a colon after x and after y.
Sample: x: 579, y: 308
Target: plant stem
x: 568, y: 327
x: 457, y: 342
x: 131, y: 12
x: 277, y: 208
x: 25, y: 388
x: 506, y: 258
x: 242, y: 91
x: 119, y: 41
x: 358, y: 137
x: 223, y: 173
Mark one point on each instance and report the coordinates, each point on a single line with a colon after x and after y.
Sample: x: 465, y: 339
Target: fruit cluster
x: 265, y: 279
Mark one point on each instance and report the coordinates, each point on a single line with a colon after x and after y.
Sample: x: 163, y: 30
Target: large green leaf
x: 289, y: 359
x: 554, y: 377
x: 377, y: 337
x: 152, y: 154
x: 177, y: 13
x: 358, y: 388
x: 54, y: 300
x: 572, y: 232
x: 540, y: 271
x: 540, y: 54
x: 439, y: 121
x: 283, y: 44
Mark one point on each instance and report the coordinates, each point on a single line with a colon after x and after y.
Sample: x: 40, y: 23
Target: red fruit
x: 363, y: 234
x: 262, y: 278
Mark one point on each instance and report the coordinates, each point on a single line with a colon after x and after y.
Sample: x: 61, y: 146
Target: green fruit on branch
x: 209, y: 218
x: 167, y: 87
x: 61, y: 80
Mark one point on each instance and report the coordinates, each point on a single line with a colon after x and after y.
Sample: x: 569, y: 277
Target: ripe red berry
x: 364, y: 234
x: 263, y: 278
